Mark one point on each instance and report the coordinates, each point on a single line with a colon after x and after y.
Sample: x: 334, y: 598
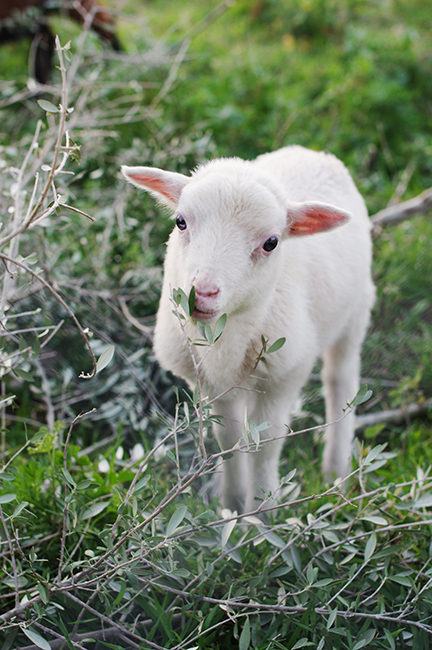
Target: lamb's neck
x: 232, y: 359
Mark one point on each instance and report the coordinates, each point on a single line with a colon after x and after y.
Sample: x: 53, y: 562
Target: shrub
x: 107, y: 530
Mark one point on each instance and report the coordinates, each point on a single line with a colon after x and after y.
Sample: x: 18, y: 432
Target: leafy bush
x: 110, y: 551
x: 108, y: 535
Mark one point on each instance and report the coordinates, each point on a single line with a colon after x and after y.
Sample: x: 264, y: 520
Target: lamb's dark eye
x: 270, y: 244
x: 181, y: 223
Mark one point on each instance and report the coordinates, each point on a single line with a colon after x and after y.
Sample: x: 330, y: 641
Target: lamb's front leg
x: 235, y: 470
x: 264, y: 463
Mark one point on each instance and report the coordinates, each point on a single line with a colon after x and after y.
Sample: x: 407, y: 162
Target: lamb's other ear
x: 166, y: 187
x: 313, y: 217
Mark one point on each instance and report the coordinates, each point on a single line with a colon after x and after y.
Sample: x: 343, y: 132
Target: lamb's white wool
x: 239, y: 240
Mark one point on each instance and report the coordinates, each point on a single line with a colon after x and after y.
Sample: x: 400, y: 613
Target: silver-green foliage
x: 157, y: 567
x: 97, y: 544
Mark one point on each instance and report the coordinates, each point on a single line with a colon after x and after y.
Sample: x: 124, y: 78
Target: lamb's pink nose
x: 206, y: 290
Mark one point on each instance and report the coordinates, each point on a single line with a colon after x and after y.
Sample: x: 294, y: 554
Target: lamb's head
x: 231, y: 219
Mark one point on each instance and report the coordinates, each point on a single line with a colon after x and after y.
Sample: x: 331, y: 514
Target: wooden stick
x: 401, y: 211
x: 392, y: 416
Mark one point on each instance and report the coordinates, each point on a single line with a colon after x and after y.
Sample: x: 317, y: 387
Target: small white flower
x: 104, y: 466
x: 137, y: 452
x: 45, y: 485
x: 119, y: 453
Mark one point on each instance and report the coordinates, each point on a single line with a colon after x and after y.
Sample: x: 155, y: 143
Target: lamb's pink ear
x: 166, y: 187
x: 313, y: 217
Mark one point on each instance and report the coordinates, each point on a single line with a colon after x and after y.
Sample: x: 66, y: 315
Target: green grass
x: 351, y: 77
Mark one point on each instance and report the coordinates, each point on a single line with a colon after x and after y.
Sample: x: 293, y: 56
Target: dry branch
x: 392, y: 416
x: 401, y: 211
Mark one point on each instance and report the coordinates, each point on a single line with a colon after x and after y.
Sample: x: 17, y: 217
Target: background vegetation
x: 109, y: 537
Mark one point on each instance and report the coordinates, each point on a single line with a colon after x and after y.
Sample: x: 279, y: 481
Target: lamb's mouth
x: 204, y: 315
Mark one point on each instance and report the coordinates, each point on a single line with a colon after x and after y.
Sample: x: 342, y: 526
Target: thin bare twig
x: 66, y: 508
x: 97, y: 445
x: 134, y: 640
x: 252, y: 606
x: 199, y: 407
x: 172, y: 76
x: 46, y: 390
x: 3, y: 423
x: 63, y: 109
x: 102, y: 635
x: 58, y: 297
x: 148, y: 331
x: 12, y: 556
x: 137, y: 476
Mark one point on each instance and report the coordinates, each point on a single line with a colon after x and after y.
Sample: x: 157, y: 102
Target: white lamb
x: 242, y: 238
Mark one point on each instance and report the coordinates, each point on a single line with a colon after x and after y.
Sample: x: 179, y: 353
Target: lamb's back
x: 308, y: 175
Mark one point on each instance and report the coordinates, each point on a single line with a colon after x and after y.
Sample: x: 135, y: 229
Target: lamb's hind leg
x: 341, y: 379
